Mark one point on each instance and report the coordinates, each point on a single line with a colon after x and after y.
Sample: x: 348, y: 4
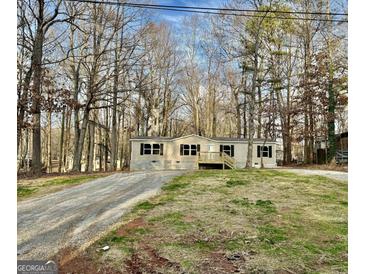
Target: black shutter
x: 258, y: 151
x: 232, y: 150
x: 141, y: 151
x: 270, y: 151
x: 198, y: 147
x: 221, y: 149
x: 181, y: 149
x: 161, y: 149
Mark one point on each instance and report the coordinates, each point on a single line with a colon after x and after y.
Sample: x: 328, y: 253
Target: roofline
x: 193, y: 135
x: 168, y: 139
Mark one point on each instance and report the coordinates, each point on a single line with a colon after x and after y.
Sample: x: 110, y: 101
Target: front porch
x: 215, y: 160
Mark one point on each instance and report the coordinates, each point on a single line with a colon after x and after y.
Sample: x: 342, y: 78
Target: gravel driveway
x: 74, y: 217
x: 338, y: 175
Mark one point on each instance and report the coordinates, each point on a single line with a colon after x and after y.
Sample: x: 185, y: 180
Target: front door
x: 210, y: 152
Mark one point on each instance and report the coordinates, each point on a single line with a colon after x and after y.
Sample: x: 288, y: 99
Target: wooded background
x: 91, y: 76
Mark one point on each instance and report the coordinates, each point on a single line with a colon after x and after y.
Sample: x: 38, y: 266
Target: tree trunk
x: 22, y: 103
x: 331, y: 100
x: 36, y: 101
x: 127, y: 153
x: 331, y: 121
x: 122, y: 141
x: 90, y: 157
x: 251, y: 130
x: 214, y: 121
x: 287, y: 157
x: 287, y: 141
x: 259, y: 125
x: 238, y: 114
x: 76, y: 88
x: 251, y: 105
x: 306, y: 137
x: 26, y: 156
x: 60, y: 159
x: 106, y: 144
x: 245, y: 115
x: 166, y: 103
x: 49, y: 143
x: 311, y: 132
x: 67, y: 141
x: 76, y: 132
x: 87, y: 153
x: 100, y: 149
x: 114, y: 145
x: 78, y: 155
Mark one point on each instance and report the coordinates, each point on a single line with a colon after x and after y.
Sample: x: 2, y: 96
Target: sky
x: 175, y: 18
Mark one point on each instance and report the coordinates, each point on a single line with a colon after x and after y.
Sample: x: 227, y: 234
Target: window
x: 148, y: 149
x: 228, y: 149
x: 156, y: 149
x: 265, y: 151
x: 193, y: 149
x: 186, y: 150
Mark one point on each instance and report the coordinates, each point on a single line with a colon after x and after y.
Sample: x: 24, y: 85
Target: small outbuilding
x: 198, y: 152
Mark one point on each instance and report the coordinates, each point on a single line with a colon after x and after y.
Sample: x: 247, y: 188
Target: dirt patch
x: 65, y: 255
x: 188, y: 218
x: 147, y: 260
x: 218, y: 262
x: 127, y: 228
x: 83, y: 263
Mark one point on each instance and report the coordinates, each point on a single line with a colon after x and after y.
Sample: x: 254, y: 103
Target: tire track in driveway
x: 74, y: 216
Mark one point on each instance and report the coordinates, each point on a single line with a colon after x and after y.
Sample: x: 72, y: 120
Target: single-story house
x: 194, y: 152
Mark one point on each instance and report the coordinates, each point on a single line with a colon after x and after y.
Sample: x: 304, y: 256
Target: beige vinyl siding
x: 171, y: 158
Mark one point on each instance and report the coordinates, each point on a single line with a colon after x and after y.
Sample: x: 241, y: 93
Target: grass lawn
x: 27, y: 188
x: 245, y: 221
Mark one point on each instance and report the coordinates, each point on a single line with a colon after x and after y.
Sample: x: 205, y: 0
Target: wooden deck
x: 220, y: 158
